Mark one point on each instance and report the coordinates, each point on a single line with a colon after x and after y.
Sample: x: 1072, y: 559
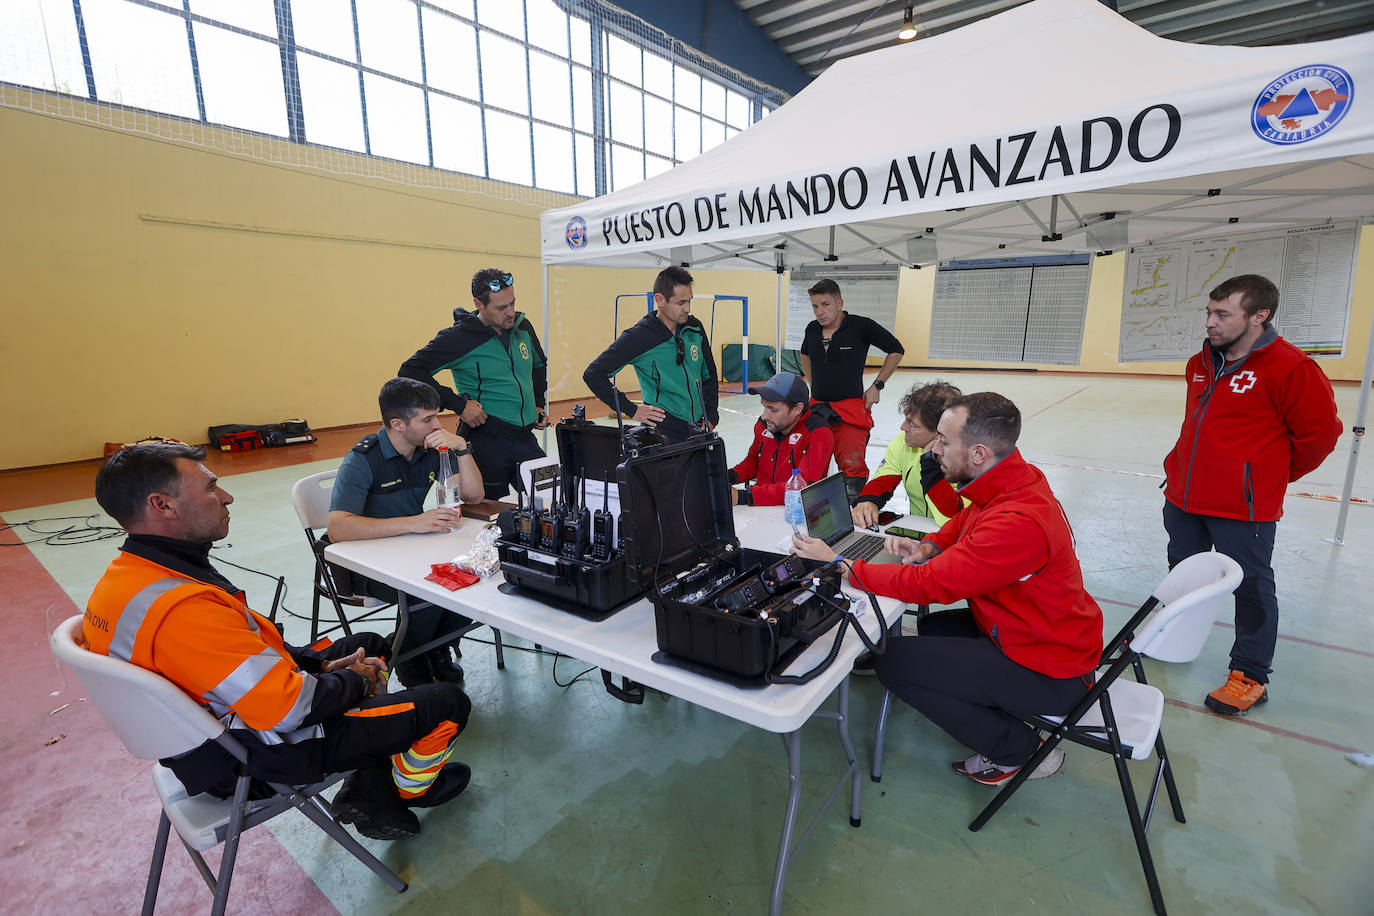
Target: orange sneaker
x: 1237, y: 695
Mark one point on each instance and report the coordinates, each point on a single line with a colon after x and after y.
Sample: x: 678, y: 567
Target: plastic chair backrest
x: 150, y: 714
x: 310, y: 496
x: 1192, y: 597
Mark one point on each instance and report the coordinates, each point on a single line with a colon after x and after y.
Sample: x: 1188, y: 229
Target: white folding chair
x: 154, y: 720
x: 310, y: 497
x: 1122, y: 717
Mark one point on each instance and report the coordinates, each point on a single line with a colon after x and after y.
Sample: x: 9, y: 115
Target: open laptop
x: 826, y: 505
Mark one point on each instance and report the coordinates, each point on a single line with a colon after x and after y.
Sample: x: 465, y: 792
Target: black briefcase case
x: 730, y: 612
x: 555, y: 561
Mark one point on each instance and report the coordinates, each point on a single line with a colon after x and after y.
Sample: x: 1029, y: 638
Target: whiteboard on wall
x: 870, y: 291
x: 1164, y: 300
x: 1011, y: 310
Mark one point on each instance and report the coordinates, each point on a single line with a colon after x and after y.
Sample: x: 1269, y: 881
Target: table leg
x: 402, y: 621
x: 842, y: 724
x: 792, y: 742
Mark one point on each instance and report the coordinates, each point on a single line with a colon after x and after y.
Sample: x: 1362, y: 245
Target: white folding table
x: 625, y: 642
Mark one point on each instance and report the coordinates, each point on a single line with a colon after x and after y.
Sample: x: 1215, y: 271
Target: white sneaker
x: 981, y: 770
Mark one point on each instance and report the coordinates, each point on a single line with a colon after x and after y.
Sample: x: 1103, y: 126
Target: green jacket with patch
x: 507, y: 373
x: 676, y: 371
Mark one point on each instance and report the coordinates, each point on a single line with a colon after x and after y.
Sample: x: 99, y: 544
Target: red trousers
x: 851, y: 436
x: 851, y: 443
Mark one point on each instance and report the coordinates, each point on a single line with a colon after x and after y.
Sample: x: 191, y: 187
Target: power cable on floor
x: 80, y: 531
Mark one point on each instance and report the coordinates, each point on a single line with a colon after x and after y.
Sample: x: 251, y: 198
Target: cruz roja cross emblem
x: 1243, y: 381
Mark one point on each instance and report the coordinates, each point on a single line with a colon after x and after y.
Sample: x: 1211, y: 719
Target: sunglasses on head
x: 500, y: 282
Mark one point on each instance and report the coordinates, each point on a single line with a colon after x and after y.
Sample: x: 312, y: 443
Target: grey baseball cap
x: 785, y: 386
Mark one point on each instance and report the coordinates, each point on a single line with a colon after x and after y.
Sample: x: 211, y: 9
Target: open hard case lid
x: 675, y: 502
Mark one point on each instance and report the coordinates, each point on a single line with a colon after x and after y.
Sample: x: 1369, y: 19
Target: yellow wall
x: 158, y: 288
x: 153, y: 287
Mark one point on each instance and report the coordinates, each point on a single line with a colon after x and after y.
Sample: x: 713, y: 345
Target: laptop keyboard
x: 865, y: 548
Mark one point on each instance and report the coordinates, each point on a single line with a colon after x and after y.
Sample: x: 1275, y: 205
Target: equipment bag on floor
x: 236, y: 437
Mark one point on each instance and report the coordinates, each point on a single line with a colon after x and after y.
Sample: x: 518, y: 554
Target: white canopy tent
x: 1055, y: 127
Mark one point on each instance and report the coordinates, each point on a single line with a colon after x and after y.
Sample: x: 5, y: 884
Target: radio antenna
x: 619, y: 418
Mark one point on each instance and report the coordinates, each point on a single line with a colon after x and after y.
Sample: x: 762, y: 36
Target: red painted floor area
x: 79, y: 815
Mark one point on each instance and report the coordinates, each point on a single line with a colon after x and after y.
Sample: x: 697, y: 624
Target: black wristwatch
x: 459, y: 453
x: 879, y: 384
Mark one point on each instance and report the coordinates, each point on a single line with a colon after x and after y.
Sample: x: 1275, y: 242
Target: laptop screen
x: 826, y: 504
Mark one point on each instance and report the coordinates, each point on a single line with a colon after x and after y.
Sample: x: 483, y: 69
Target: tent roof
x: 1105, y: 117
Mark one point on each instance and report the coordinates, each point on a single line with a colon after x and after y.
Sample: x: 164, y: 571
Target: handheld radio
x: 603, y: 526
x: 524, y: 520
x: 549, y: 523
x: 576, y: 527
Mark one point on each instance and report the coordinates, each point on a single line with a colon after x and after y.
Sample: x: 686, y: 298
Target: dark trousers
x: 675, y: 429
x: 388, y: 723
x: 425, y: 624
x: 1251, y: 544
x: 499, y: 448
x: 955, y: 676
x: 365, y: 736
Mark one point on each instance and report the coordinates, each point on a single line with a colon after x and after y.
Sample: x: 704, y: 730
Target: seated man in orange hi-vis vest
x: 301, y: 713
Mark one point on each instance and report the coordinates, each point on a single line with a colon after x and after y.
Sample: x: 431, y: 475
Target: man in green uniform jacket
x: 500, y: 378
x: 672, y: 358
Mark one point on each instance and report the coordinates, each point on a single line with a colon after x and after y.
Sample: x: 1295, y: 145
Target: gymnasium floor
x: 581, y: 804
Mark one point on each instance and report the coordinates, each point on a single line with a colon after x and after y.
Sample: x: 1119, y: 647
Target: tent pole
x: 778, y: 349
x: 1360, y: 413
x: 544, y: 443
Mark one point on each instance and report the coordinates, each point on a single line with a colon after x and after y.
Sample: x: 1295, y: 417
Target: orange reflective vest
x: 205, y: 641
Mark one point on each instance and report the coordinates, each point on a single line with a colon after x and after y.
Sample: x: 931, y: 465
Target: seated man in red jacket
x: 1031, y: 637
x: 788, y: 436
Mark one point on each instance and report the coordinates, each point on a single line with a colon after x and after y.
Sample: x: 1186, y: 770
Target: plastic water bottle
x: 446, y: 495
x: 792, y: 503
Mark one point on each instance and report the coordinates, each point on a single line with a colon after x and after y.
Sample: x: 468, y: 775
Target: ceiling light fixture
x: 908, y: 30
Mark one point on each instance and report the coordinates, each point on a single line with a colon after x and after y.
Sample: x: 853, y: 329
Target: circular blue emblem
x: 576, y: 233
x: 1302, y: 104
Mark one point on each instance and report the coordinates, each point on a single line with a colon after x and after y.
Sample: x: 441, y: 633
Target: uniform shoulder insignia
x: 365, y: 444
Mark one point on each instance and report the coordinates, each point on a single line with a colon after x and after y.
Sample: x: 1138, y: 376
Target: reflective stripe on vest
x: 131, y: 618
x: 228, y: 692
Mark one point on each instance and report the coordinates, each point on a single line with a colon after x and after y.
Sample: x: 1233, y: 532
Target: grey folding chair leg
x: 164, y: 830
x: 879, y: 735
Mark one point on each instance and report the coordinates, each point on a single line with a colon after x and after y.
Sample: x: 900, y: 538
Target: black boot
x: 448, y: 785
x: 443, y: 667
x: 853, y: 486
x: 414, y: 672
x: 369, y: 802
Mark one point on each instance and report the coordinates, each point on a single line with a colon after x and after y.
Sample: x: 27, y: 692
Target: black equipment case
x: 728, y: 611
x: 572, y: 579
x: 717, y: 606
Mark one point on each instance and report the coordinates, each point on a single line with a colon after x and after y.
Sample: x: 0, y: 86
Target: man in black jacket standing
x: 672, y: 358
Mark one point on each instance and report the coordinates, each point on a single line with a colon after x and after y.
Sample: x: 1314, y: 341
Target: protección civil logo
x: 1302, y: 104
x: 576, y: 233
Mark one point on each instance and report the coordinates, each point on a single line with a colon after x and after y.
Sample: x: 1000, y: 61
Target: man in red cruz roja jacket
x: 1031, y: 636
x: 1259, y: 414
x: 787, y: 436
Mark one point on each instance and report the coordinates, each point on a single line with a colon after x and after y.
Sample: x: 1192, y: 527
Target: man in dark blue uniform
x: 380, y: 492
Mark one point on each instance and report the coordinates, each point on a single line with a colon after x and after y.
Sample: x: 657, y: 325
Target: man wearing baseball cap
x: 786, y: 436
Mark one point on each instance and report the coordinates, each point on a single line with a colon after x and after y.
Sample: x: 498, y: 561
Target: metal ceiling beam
x: 816, y: 33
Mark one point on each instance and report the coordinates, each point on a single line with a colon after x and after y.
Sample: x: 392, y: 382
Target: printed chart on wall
x: 866, y: 290
x: 1165, y: 299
